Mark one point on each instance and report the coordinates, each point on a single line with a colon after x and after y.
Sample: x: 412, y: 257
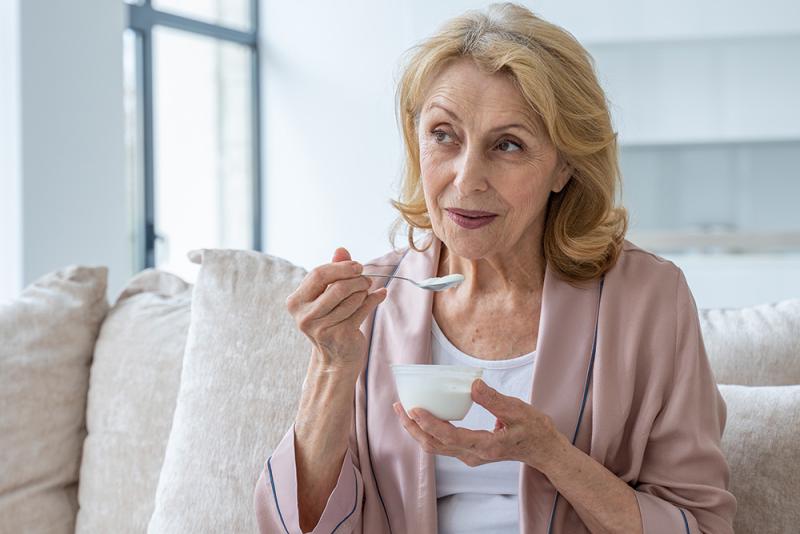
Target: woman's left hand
x: 521, y: 432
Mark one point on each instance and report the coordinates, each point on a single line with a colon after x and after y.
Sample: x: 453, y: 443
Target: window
x: 192, y: 130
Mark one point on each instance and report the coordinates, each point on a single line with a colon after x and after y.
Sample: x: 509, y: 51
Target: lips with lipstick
x: 470, y: 219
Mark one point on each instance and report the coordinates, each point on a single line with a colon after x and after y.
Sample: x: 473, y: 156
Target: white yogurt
x: 442, y: 282
x: 443, y: 390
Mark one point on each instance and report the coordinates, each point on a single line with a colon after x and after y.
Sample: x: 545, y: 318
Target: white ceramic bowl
x: 443, y: 390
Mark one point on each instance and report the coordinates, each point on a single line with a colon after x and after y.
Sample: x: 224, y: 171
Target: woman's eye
x: 440, y: 135
x: 506, y: 143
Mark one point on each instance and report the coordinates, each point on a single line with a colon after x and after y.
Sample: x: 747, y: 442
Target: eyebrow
x: 495, y: 129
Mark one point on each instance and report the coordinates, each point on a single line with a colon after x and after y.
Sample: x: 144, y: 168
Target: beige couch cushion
x: 133, y: 386
x: 47, y: 335
x: 758, y: 346
x: 243, y: 368
x: 761, y: 445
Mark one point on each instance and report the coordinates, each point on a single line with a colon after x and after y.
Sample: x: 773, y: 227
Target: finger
x: 507, y: 409
x: 369, y: 305
x: 337, y: 294
x: 340, y: 254
x: 318, y: 279
x: 428, y: 443
x: 449, y: 434
x: 342, y: 311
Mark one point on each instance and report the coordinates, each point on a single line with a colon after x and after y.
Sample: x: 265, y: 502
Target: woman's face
x: 481, y: 150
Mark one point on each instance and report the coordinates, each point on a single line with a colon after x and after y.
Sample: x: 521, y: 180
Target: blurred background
x: 131, y: 133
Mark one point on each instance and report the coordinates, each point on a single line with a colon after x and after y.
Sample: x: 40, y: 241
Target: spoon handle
x: 390, y: 276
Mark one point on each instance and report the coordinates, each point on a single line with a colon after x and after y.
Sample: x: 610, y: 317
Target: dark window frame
x: 142, y: 18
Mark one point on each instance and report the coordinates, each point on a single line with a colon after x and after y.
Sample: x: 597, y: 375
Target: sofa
x: 154, y: 410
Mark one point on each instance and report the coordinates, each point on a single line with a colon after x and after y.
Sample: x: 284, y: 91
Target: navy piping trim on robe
x: 685, y: 522
x: 585, y: 392
x: 275, y: 495
x: 366, y: 393
x: 355, y: 505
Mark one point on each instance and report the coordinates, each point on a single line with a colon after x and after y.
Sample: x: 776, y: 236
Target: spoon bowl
x: 441, y: 283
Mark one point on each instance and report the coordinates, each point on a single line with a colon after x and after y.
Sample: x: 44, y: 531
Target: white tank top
x: 485, y: 498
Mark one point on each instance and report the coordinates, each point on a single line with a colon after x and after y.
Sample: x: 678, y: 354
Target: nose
x: 471, y: 172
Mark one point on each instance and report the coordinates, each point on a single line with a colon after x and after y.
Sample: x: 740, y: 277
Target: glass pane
x: 134, y: 172
x: 232, y: 13
x: 203, y: 147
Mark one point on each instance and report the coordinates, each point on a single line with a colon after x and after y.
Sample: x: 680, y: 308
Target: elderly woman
x: 598, y: 411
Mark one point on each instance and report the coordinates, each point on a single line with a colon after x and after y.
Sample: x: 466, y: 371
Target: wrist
x: 321, y: 365
x: 335, y: 372
x: 552, y: 454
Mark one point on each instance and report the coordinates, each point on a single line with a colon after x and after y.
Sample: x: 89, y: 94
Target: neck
x: 517, y: 275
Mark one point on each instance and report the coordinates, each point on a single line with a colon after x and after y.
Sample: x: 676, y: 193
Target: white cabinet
x: 709, y: 134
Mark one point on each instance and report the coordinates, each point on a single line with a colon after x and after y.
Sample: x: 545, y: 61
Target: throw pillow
x: 760, y: 443
x: 133, y: 387
x: 47, y: 336
x: 243, y: 368
x: 757, y: 346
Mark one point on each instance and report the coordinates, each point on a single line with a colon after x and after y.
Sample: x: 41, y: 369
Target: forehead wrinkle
x: 524, y: 123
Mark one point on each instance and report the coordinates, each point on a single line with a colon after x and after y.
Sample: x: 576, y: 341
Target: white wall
x: 10, y: 234
x: 69, y: 189
x: 331, y: 147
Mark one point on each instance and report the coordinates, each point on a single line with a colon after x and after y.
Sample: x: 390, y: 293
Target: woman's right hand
x: 329, y: 306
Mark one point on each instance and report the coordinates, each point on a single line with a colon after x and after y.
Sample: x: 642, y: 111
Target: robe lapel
x: 563, y: 355
x: 402, y: 334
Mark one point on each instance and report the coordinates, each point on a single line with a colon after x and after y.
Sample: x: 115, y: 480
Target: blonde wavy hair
x: 584, y: 228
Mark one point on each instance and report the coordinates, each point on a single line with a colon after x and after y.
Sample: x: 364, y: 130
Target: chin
x: 467, y: 248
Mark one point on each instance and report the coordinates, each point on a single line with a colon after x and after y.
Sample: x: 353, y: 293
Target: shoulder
x: 635, y: 262
x: 645, y: 284
x: 641, y: 270
x: 648, y: 304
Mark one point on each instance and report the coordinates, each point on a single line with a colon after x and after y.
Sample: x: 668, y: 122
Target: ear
x: 563, y: 174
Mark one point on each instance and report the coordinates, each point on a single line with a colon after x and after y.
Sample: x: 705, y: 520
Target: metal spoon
x: 433, y: 284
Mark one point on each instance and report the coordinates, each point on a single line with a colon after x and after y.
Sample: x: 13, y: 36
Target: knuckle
x: 292, y: 303
x: 315, y: 275
x: 304, y: 323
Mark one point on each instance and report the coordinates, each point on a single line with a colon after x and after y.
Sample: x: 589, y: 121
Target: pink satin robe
x: 643, y: 402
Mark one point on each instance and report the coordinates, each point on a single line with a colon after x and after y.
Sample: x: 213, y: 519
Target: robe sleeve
x: 275, y: 496
x: 684, y: 479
